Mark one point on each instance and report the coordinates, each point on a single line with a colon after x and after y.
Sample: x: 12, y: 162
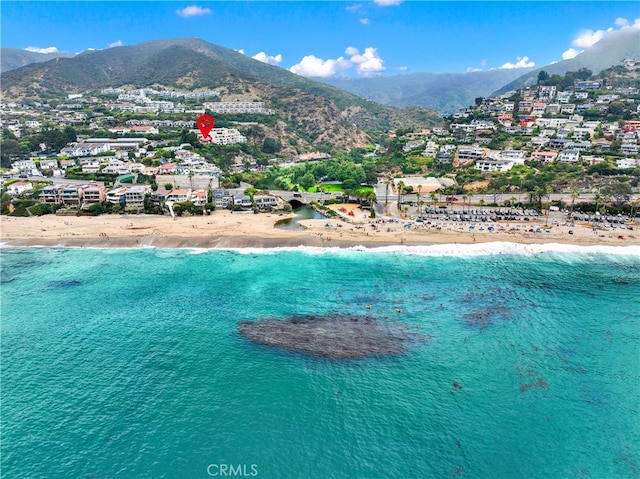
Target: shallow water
x: 128, y: 363
x: 302, y: 213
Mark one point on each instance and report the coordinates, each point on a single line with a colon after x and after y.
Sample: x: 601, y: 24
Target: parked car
x: 452, y: 198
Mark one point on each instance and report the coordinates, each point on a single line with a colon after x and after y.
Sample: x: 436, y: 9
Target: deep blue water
x: 127, y: 363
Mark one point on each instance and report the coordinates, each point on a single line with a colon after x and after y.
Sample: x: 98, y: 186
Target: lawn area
x: 337, y: 188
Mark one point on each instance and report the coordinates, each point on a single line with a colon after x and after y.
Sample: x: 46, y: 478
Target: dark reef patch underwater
x: 333, y: 336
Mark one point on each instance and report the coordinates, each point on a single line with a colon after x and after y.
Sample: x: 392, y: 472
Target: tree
x: 307, y: 181
x: 168, y: 186
x: 270, y: 145
x: 620, y: 192
x: 400, y: 187
x: 574, y: 196
x: 372, y: 199
x: 542, y: 76
x: 349, y: 184
x: 190, y: 137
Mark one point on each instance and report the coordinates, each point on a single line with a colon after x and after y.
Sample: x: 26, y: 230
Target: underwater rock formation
x: 332, y: 336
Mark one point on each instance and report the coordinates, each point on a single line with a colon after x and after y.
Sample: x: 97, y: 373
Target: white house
x: 19, y: 187
x: 493, y: 165
x: 627, y: 163
x: 569, y: 156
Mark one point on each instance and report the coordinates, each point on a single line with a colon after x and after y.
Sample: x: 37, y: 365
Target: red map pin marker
x: 205, y: 124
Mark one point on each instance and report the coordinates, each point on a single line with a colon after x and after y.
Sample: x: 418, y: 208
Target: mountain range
x: 445, y: 93
x: 448, y: 92
x: 610, y: 51
x: 314, y: 113
x: 12, y: 58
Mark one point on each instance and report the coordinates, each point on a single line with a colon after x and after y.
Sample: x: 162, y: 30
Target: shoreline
x: 225, y: 230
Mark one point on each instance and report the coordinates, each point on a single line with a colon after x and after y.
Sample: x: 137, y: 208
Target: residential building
x: 444, y: 157
x: 50, y: 194
x: 588, y: 85
x: 470, y: 153
x: 629, y: 149
x: 117, y: 196
x: 48, y: 164
x: 627, y: 163
x: 265, y: 201
x: 222, y: 198
x: 493, y: 165
x: 199, y: 197
x: 23, y: 165
x: 179, y: 195
x: 70, y: 195
x: 544, y: 156
x: 241, y: 200
x: 553, y: 108
x: 238, y: 107
x: 223, y: 136
x: 546, y: 92
x: 516, y: 156
x: 539, y: 141
x: 19, y: 187
x: 569, y: 156
x: 134, y: 196
x: 92, y: 194
x: 558, y: 143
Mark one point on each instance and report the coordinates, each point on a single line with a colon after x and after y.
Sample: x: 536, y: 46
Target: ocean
x: 127, y: 363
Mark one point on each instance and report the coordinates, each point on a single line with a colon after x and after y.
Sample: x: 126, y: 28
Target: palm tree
x: 418, y: 193
x: 574, y: 195
x: 434, y: 197
x: 387, y: 181
x: 465, y: 197
x: 400, y: 191
x: 372, y: 199
x: 503, y: 188
x: 597, y: 197
x: 547, y: 192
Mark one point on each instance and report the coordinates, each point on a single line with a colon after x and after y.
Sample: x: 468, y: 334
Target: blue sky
x: 333, y: 38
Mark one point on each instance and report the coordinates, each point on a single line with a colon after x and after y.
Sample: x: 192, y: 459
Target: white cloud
x: 369, y: 63
x: 387, y: 3
x: 365, y: 21
x: 312, y: 66
x: 471, y: 70
x: 115, y: 44
x: 571, y: 53
x: 588, y: 38
x: 521, y: 62
x: 351, y: 51
x: 271, y: 60
x: 402, y: 68
x: 193, y: 11
x: 366, y: 64
x: 42, y: 50
x: 621, y: 22
x: 240, y: 51
x: 636, y: 23
x: 353, y: 8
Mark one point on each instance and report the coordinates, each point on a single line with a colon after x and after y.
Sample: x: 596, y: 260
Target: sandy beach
x: 224, y: 229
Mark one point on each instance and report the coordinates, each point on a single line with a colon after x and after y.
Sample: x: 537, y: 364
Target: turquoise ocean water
x: 127, y: 364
